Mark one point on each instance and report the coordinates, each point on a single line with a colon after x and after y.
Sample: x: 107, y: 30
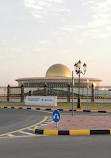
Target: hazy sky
x: 34, y: 34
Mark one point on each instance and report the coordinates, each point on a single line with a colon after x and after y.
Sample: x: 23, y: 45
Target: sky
x: 35, y: 34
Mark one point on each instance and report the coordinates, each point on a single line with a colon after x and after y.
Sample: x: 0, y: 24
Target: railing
x: 62, y: 91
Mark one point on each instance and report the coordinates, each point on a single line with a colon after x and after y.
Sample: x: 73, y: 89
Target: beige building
x: 57, y: 75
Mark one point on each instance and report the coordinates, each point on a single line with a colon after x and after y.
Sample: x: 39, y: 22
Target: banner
x: 41, y: 100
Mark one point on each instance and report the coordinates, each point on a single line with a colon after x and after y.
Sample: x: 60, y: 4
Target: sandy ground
x: 68, y: 122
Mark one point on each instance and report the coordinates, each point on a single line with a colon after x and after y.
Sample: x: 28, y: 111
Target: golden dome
x: 58, y: 70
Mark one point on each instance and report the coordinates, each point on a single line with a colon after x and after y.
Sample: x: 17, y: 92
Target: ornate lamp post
x: 79, y: 72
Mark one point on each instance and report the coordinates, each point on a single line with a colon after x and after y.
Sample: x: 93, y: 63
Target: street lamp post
x: 72, y: 93
x: 79, y: 72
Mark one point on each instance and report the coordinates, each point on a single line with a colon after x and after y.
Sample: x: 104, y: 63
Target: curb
x: 71, y: 132
x: 52, y: 109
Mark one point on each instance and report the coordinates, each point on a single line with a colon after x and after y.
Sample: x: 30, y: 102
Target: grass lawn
x: 11, y: 103
x: 84, y: 105
x: 67, y: 105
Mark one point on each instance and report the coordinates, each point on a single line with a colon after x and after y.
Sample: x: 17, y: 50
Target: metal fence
x: 63, y: 93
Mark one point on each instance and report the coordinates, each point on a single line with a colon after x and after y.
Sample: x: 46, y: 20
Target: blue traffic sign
x: 56, y: 116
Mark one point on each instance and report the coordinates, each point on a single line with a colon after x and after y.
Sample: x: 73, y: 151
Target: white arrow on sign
x: 56, y: 116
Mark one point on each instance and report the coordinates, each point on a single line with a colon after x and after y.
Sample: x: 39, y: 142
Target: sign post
x: 87, y: 91
x: 72, y: 93
x: 56, y: 117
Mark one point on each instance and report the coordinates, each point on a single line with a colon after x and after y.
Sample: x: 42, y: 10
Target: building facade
x: 57, y: 75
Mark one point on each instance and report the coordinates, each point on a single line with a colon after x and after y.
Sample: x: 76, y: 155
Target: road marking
x: 45, y: 118
x: 27, y: 133
x: 24, y: 136
x: 49, y: 121
x: 44, y: 111
x: 30, y: 129
x: 42, y: 124
x: 10, y: 135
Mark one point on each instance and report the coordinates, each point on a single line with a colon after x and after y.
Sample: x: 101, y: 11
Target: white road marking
x: 49, y: 122
x: 30, y: 129
x: 10, y: 135
x: 49, y: 119
x: 42, y: 124
x: 26, y: 133
x: 44, y: 111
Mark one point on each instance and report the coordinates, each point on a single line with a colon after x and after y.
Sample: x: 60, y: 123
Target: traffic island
x: 77, y: 125
x: 71, y: 132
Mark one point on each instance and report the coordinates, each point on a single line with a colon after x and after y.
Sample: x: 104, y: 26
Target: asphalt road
x: 39, y: 146
x: 56, y: 146
x: 12, y: 119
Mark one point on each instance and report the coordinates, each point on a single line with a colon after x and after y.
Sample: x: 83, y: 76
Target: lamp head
x: 84, y: 67
x: 79, y: 64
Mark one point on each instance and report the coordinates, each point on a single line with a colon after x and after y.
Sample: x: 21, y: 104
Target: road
x: 33, y: 146
x: 12, y: 119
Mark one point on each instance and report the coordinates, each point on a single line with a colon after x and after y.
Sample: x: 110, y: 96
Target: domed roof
x: 58, y: 70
